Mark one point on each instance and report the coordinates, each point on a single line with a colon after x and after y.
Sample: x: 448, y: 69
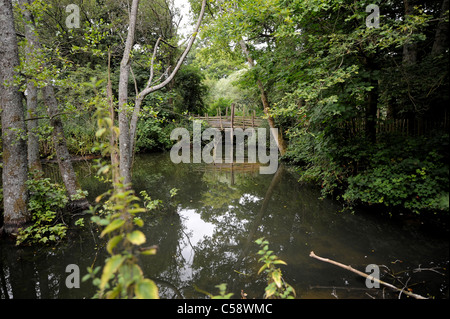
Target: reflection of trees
x: 222, y: 258
x: 241, y: 209
x: 39, y: 272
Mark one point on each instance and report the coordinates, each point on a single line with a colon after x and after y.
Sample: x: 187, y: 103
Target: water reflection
x: 206, y: 237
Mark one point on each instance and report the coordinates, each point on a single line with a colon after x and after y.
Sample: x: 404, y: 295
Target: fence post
x: 232, y: 115
x: 220, y: 118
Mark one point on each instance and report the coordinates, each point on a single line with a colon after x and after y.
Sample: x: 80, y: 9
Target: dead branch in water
x: 311, y: 254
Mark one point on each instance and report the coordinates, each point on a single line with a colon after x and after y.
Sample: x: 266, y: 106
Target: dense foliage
x: 339, y: 87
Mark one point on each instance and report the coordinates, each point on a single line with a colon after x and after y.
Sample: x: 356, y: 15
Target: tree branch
x: 311, y: 254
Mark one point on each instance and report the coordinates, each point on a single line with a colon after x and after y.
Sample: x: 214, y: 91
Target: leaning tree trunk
x: 62, y: 154
x: 265, y: 101
x: 15, y: 170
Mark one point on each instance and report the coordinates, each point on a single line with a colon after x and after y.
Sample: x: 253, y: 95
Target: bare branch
x: 401, y: 290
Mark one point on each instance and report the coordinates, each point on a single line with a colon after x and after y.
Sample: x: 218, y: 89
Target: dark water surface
x: 206, y: 237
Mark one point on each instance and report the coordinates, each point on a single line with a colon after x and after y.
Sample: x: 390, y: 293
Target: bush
x: 45, y: 205
x: 397, y: 172
x: 414, y: 176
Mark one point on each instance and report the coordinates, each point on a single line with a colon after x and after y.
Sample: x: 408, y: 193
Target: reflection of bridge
x: 230, y: 169
x: 231, y: 121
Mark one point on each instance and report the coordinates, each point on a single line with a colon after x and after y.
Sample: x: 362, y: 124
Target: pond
x: 206, y: 236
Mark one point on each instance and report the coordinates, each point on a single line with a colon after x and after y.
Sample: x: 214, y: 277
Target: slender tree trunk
x: 34, y: 160
x: 15, y: 168
x: 63, y: 156
x: 115, y: 159
x: 264, y: 99
x: 440, y: 38
x: 409, y: 49
x: 124, y: 136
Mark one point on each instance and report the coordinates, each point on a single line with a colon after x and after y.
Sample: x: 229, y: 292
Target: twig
x: 311, y: 254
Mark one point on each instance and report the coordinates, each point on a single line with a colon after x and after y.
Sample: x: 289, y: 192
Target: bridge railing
x: 231, y: 121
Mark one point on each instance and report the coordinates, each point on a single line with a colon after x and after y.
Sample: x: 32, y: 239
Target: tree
x: 190, y: 91
x: 59, y: 140
x: 127, y: 125
x: 15, y: 171
x: 230, y: 25
x: 34, y: 160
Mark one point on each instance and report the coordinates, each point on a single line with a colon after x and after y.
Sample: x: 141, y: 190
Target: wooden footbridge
x: 231, y: 121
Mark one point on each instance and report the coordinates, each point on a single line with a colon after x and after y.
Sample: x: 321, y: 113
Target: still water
x: 206, y: 237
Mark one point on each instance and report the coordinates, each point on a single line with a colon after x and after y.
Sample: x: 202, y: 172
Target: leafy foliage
x: 47, y: 200
x: 276, y: 288
x: 121, y: 276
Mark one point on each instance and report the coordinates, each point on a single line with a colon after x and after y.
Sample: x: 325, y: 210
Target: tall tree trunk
x: 15, y: 168
x: 34, y: 160
x: 409, y: 49
x: 115, y: 159
x: 62, y: 154
x: 265, y: 101
x: 64, y: 159
x: 124, y: 136
x: 440, y: 38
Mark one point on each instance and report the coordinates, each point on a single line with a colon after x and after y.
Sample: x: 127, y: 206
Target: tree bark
x: 62, y: 154
x: 440, y: 39
x: 124, y: 136
x: 115, y: 159
x: 409, y: 49
x: 34, y: 160
x: 15, y: 168
x: 265, y: 101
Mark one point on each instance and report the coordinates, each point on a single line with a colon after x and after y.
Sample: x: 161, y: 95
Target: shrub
x: 45, y: 205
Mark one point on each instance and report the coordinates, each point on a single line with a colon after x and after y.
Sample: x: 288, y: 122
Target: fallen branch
x: 406, y: 292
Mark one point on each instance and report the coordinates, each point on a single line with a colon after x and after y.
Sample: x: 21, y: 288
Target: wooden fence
x: 409, y: 127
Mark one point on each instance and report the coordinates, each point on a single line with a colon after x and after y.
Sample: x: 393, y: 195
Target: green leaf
x: 113, y: 243
x: 276, y: 276
x: 146, y: 289
x: 270, y: 290
x: 113, y: 226
x: 138, y: 222
x: 279, y: 262
x: 100, y: 132
x: 149, y: 251
x: 136, y: 237
x: 262, y: 268
x: 112, y: 264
